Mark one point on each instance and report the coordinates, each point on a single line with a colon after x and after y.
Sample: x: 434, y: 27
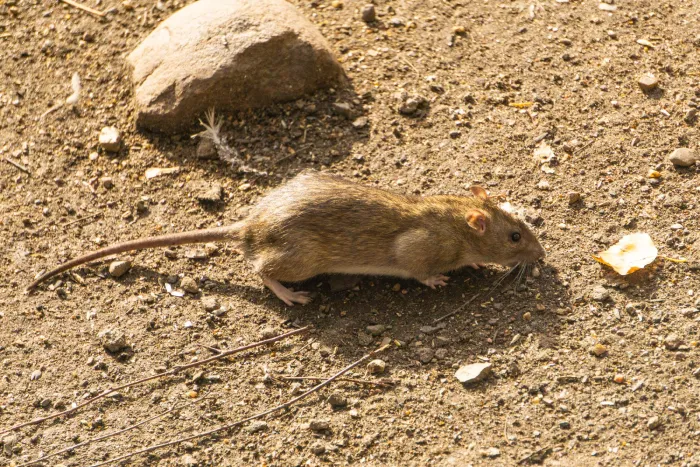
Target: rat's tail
x: 227, y: 233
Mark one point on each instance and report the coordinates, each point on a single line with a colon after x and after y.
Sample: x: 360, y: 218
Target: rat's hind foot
x: 435, y: 280
x: 283, y: 293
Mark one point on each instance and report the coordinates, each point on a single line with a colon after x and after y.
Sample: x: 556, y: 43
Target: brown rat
x: 317, y: 224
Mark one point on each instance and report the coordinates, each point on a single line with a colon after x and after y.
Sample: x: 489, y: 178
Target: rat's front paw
x: 436, y: 280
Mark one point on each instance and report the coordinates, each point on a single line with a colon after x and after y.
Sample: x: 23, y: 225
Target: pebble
x: 256, y: 426
x: 319, y: 425
x: 343, y: 109
x: 474, y: 372
x: 210, y: 303
x: 318, y: 448
x: 672, y: 341
x: 376, y: 367
x: 600, y: 293
x: 543, y: 185
x: 8, y: 443
x: 574, y: 197
x: 683, y: 157
x: 36, y: 374
x: 648, y: 82
x: 653, y: 423
x: 369, y: 13
x: 210, y: 194
x: 112, y: 340
x: 337, y: 400
x: 268, y: 333
x: 189, y: 285
x: 425, y: 354
x: 490, y: 452
x: 206, y: 149
x: 527, y: 316
x: 410, y: 105
x: 364, y: 338
x: 360, y: 122
x: 619, y: 379
x: 376, y: 329
x: 599, y: 350
x: 107, y: 182
x: 119, y: 268
x: 110, y: 139
x: 454, y: 134
x: 564, y: 425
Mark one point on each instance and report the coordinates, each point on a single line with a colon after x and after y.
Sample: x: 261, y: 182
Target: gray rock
x: 474, y: 372
x: 600, y: 293
x: 672, y: 341
x: 206, y: 149
x: 256, y: 426
x: 119, y: 268
x: 648, y: 82
x: 653, y: 423
x: 683, y: 157
x: 209, y: 193
x: 318, y: 448
x: 376, y: 366
x: 319, y: 425
x: 360, y: 122
x: 210, y: 303
x: 229, y: 55
x: 36, y: 374
x: 110, y: 139
x: 369, y: 13
x: 337, y: 400
x: 8, y: 443
x: 411, y: 105
x: 425, y: 354
x: 189, y: 285
x: 113, y: 340
x: 376, y: 329
x: 364, y: 338
x: 490, y: 452
x: 343, y: 109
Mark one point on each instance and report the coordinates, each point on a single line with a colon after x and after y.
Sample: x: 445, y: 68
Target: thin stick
x: 171, y: 372
x: 9, y: 160
x: 253, y: 417
x: 100, y: 438
x: 460, y: 308
x: 91, y: 216
x: 381, y: 382
x: 92, y: 11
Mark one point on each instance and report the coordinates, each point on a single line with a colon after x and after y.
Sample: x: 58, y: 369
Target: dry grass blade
x: 171, y: 372
x: 253, y: 417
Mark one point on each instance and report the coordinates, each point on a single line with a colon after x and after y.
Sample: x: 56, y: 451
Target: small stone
x: 343, y: 109
x: 527, y: 316
x: 600, y: 293
x: 454, y: 134
x: 317, y: 448
x: 648, y: 82
x: 206, y: 149
x: 210, y: 303
x: 672, y: 342
x: 599, y: 350
x: 257, y: 426
x: 110, y: 139
x: 337, y: 400
x: 36, y: 374
x: 189, y: 285
x: 369, y: 13
x: 112, y: 340
x: 364, y: 338
x: 425, y: 354
x: 543, y: 185
x: 268, y: 333
x: 319, y: 425
x: 574, y: 197
x: 119, y: 268
x: 683, y: 157
x: 412, y: 104
x: 619, y: 379
x: 376, y: 367
x: 564, y: 425
x: 210, y: 193
x: 360, y: 122
x: 8, y: 443
x: 376, y: 329
x: 188, y: 324
x: 690, y: 116
x: 653, y: 423
x: 107, y: 182
x: 490, y: 452
x: 473, y: 373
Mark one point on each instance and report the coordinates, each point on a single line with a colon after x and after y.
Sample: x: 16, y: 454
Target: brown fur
x: 319, y: 224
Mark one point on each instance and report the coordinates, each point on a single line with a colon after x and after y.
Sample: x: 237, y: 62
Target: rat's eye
x: 515, y: 236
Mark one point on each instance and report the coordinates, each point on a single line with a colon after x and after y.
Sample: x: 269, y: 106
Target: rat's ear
x: 479, y: 192
x: 477, y: 221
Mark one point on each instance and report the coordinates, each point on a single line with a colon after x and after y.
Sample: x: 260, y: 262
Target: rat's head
x: 507, y: 240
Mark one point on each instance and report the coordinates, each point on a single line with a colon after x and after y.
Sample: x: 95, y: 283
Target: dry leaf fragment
x: 630, y: 254
x: 521, y: 105
x: 157, y: 171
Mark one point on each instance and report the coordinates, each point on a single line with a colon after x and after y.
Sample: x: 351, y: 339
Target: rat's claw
x: 436, y: 280
x: 283, y: 293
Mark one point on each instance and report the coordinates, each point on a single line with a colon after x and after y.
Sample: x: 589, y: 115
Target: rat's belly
x: 371, y: 271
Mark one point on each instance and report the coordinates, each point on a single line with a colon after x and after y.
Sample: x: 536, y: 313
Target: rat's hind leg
x: 435, y: 280
x: 283, y: 293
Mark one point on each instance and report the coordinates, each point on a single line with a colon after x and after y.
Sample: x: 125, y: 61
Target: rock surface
x: 683, y: 157
x: 230, y: 55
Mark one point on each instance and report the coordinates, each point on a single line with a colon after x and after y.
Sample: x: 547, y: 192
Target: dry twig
x: 253, y: 417
x: 460, y: 308
x: 92, y: 11
x: 171, y: 372
x: 384, y: 382
x: 11, y: 161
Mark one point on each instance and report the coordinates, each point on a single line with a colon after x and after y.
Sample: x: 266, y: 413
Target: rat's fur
x: 318, y: 224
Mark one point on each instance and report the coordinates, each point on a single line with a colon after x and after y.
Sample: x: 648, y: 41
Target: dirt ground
x: 549, y: 400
